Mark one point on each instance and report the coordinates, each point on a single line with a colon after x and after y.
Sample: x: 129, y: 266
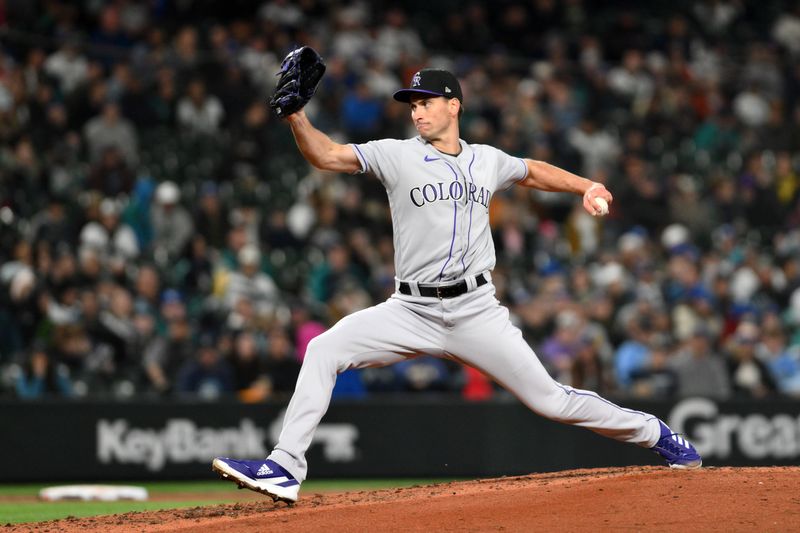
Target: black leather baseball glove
x: 300, y: 73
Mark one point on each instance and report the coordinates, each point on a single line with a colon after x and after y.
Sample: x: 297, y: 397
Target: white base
x: 286, y: 494
x: 105, y: 493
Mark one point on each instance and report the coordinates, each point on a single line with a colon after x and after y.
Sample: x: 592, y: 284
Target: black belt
x: 443, y: 291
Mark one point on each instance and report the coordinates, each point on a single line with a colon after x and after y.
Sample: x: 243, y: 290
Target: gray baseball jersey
x: 440, y: 215
x: 444, y: 198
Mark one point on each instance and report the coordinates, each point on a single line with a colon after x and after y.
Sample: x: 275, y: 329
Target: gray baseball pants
x: 473, y: 328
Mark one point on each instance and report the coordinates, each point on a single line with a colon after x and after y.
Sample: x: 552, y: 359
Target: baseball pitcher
x: 439, y: 189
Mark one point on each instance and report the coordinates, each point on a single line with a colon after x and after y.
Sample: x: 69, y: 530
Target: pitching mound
x: 640, y: 498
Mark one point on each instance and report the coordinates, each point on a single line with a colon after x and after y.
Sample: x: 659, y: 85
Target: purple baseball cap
x: 431, y: 82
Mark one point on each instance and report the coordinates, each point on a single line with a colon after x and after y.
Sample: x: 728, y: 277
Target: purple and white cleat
x: 264, y: 476
x: 676, y: 450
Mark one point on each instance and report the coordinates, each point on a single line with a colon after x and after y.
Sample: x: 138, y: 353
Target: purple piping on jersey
x: 363, y: 159
x: 597, y: 397
x: 469, y: 231
x: 455, y: 212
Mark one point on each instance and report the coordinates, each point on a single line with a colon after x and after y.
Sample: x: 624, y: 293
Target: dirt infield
x: 639, y: 499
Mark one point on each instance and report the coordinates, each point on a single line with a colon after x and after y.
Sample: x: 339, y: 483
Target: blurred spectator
x: 163, y: 102
x: 785, y: 368
x: 184, y: 56
x: 53, y: 225
x: 40, y: 377
x: 351, y: 40
x: 337, y: 271
x: 111, y: 175
x: 110, y: 238
x: 166, y: 354
x: 305, y: 328
x: 780, y: 359
x: 110, y: 38
x: 111, y: 129
x: 68, y: 66
x: 689, y: 208
x: 282, y: 12
x: 718, y: 16
x: 749, y: 376
x: 87, y: 99
x: 199, y: 271
x: 655, y: 379
x: 381, y: 82
x: 588, y: 370
x: 361, y: 113
x: 23, y: 174
x: 147, y: 286
x: 634, y: 354
x: 118, y: 331
x: 699, y: 369
x: 396, y: 39
x: 206, y: 375
x: 278, y: 234
x: 145, y: 327
x: 249, y: 372
x: 560, y: 350
x: 210, y: 219
x: 251, y: 137
x: 786, y: 30
x: 250, y: 283
x: 695, y: 310
x: 91, y: 273
x: 598, y: 149
x: 171, y: 222
x: 199, y: 112
x: 640, y: 198
x: 173, y: 308
x: 751, y: 107
x: 631, y: 81
x: 74, y: 348
x: 282, y: 368
x: 234, y: 91
x: 259, y: 62
x: 787, y: 180
x: 137, y: 212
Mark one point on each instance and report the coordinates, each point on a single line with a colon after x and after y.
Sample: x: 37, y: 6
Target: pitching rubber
x: 276, y: 493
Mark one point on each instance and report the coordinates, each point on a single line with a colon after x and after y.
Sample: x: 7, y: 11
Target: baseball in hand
x: 603, y: 205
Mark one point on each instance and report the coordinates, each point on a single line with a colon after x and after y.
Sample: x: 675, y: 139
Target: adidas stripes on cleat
x: 265, y: 476
x: 676, y: 450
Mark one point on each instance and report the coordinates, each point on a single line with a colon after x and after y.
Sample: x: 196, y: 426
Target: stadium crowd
x: 161, y: 235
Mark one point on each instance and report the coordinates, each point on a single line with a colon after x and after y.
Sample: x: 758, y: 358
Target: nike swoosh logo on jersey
x: 428, y: 159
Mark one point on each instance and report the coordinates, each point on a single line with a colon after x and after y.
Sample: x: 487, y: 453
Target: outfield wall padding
x: 416, y: 437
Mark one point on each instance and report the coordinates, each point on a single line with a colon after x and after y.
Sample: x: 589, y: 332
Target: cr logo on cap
x: 415, y: 80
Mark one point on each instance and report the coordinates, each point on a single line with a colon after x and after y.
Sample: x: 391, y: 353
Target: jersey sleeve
x: 509, y: 169
x: 379, y: 158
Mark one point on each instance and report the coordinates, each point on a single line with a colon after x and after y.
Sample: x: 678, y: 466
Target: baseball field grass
x: 19, y: 503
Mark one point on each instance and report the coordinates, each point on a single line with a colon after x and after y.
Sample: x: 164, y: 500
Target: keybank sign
x: 721, y: 435
x: 182, y: 441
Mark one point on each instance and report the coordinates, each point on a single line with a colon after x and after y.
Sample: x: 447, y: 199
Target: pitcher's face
x: 432, y: 116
